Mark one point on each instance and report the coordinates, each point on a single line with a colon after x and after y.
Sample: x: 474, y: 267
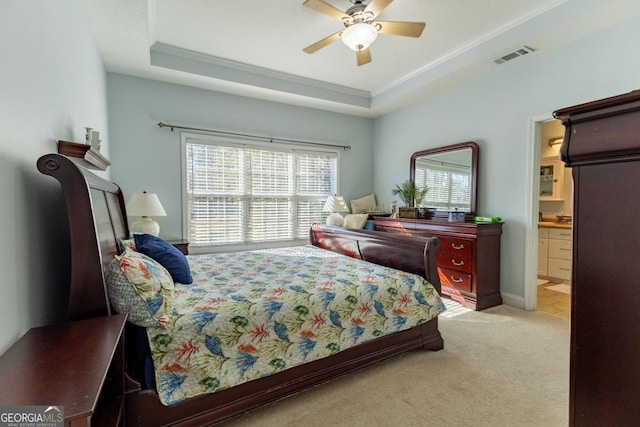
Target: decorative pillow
x: 166, y: 254
x: 363, y: 204
x: 140, y: 287
x: 125, y: 244
x: 355, y: 220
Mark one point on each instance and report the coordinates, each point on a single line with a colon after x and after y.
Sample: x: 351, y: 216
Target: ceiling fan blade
x: 364, y: 56
x: 408, y: 29
x: 377, y: 6
x: 323, y: 7
x: 322, y: 43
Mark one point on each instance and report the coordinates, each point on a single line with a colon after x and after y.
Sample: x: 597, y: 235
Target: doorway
x: 548, y: 236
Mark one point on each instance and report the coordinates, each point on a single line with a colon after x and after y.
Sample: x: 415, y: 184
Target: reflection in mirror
x: 450, y: 173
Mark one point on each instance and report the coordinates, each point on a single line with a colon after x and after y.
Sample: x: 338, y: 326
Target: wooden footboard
x: 145, y: 409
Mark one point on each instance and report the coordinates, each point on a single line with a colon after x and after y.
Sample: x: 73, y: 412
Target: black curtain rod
x: 264, y: 138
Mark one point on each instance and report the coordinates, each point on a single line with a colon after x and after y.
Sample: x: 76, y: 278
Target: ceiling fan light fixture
x: 359, y: 36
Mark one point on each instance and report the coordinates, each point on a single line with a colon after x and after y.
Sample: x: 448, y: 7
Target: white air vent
x: 513, y: 55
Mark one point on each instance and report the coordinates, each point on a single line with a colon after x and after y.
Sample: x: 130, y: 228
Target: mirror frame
x: 474, y: 173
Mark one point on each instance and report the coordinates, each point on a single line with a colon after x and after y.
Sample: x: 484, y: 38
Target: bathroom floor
x: 555, y: 302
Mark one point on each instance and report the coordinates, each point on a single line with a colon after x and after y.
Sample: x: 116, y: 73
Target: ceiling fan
x: 361, y: 28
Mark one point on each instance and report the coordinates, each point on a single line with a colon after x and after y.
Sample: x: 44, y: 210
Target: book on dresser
x: 468, y: 258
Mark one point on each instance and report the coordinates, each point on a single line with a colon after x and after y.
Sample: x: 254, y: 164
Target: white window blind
x: 248, y: 194
x: 448, y: 186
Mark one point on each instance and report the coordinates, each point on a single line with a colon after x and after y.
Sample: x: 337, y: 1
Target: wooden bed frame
x: 97, y: 220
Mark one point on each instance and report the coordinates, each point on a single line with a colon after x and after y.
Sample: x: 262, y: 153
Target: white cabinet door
x: 551, y: 179
x: 543, y: 253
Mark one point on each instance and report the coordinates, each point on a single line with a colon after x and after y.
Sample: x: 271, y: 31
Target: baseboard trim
x: 513, y: 300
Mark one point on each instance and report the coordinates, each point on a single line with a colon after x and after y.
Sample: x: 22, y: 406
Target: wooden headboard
x: 97, y: 221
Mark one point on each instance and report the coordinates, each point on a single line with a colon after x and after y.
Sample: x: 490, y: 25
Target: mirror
x: 451, y: 175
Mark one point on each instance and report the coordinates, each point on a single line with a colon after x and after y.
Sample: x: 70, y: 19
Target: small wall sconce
x: 555, y: 141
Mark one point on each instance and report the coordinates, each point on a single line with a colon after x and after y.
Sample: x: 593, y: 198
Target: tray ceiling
x: 254, y: 47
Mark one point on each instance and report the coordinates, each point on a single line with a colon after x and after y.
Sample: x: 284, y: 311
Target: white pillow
x: 363, y: 204
x: 355, y: 220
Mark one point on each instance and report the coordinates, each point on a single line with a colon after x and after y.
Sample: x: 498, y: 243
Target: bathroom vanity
x: 554, y: 251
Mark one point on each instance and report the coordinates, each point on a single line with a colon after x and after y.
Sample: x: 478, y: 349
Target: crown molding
x: 175, y: 58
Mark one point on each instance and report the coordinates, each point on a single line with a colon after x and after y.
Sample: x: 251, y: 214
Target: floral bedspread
x: 251, y: 314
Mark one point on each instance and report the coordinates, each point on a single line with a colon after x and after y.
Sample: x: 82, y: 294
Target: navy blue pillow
x: 166, y: 254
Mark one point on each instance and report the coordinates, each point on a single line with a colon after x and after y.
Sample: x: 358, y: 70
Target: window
x: 252, y: 194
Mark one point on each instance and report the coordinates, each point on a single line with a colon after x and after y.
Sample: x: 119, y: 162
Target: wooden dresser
x: 468, y: 258
x: 602, y: 145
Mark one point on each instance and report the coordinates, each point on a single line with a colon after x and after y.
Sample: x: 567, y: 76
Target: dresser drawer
x: 455, y: 279
x: 560, y: 249
x: 560, y: 233
x: 458, y: 248
x: 560, y: 268
x: 453, y: 261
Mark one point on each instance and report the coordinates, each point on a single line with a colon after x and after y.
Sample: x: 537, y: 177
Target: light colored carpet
x: 500, y: 367
x: 562, y: 287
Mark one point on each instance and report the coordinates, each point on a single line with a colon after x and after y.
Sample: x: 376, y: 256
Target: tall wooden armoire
x: 602, y: 146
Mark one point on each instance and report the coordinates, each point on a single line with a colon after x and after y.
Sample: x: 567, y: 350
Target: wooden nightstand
x: 182, y: 245
x: 78, y: 365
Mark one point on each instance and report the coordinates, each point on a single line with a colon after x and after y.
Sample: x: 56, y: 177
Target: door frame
x: 532, y: 209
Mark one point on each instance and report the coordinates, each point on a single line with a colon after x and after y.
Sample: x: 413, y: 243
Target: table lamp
x: 335, y: 204
x: 145, y: 205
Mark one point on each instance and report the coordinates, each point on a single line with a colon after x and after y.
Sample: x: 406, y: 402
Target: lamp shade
x: 359, y: 36
x: 335, y: 204
x: 145, y: 205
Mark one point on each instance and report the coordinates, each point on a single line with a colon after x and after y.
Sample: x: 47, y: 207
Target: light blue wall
x: 495, y: 110
x: 52, y: 85
x: 147, y: 157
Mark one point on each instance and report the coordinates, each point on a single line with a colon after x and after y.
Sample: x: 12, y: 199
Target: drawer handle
x: 453, y: 245
x: 453, y: 279
x: 454, y: 262
x: 564, y: 249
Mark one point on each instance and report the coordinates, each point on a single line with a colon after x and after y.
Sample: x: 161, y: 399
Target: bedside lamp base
x: 145, y: 225
x: 335, y: 218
